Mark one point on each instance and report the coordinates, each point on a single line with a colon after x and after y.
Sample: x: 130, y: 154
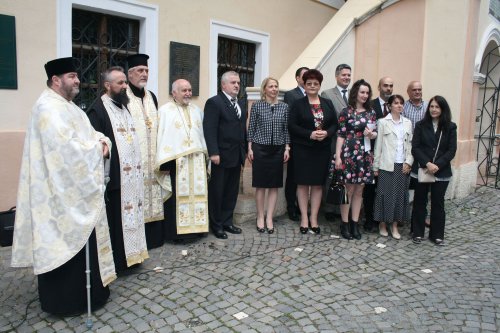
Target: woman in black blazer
x: 312, y: 122
x: 436, y: 122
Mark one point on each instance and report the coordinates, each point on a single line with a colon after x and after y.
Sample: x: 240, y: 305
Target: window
x: 100, y: 41
x: 238, y: 56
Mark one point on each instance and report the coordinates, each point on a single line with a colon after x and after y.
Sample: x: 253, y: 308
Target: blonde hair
x: 264, y: 84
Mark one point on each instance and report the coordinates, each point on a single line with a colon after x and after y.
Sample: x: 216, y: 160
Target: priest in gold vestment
x: 125, y: 190
x: 60, y: 201
x: 143, y: 107
x: 181, y: 161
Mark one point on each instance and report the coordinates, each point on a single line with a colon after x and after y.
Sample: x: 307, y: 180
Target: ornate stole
x: 146, y: 124
x: 131, y: 182
x: 180, y: 138
x: 191, y: 194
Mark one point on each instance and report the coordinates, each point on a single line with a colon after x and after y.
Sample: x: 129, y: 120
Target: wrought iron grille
x: 487, y: 129
x: 238, y: 56
x: 100, y: 41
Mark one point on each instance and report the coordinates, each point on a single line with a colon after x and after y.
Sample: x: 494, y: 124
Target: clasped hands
x: 318, y: 135
x: 432, y: 168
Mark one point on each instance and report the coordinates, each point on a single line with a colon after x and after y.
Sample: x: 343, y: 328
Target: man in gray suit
x: 340, y: 93
x: 290, y: 186
x: 339, y: 96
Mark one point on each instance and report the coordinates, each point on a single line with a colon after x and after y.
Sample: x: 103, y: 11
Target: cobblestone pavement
x: 289, y: 282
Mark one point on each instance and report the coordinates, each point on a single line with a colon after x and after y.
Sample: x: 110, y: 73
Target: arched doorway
x: 487, y: 132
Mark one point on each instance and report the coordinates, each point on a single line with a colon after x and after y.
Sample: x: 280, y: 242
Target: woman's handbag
x: 7, y: 226
x: 337, y: 192
x: 424, y: 176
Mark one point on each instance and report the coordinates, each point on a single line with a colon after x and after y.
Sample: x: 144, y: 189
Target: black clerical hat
x: 137, y: 60
x: 60, y: 66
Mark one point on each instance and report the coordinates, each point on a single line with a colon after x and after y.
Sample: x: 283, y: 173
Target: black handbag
x: 337, y: 191
x: 7, y: 226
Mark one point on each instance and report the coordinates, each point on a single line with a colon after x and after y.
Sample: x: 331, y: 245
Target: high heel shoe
x: 316, y: 230
x: 269, y: 230
x: 355, y: 230
x: 261, y: 230
x: 303, y: 230
x: 344, y: 230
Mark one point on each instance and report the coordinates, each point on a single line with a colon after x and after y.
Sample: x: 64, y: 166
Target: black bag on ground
x: 337, y: 191
x: 7, y: 226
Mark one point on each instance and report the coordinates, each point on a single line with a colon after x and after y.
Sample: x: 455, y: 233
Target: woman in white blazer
x: 392, y: 163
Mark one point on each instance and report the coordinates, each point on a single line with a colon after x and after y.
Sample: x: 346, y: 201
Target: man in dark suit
x: 224, y: 126
x: 339, y: 96
x: 290, y: 186
x: 379, y: 104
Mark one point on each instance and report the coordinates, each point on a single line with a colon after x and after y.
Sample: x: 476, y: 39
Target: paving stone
x: 331, y: 286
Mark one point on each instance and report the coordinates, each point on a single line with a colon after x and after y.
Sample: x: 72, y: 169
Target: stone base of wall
x: 245, y: 209
x: 463, y: 181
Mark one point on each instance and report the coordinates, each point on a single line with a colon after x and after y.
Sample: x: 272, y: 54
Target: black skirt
x: 311, y: 164
x: 267, y: 166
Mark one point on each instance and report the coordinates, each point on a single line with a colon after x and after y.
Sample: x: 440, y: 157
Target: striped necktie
x: 235, y: 107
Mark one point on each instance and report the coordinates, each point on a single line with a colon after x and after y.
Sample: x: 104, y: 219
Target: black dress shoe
x: 270, y: 231
x: 220, y: 234
x: 303, y: 230
x: 261, y: 230
x: 316, y: 230
x: 232, y: 229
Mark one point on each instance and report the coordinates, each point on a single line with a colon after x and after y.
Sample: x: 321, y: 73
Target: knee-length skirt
x: 267, y: 166
x: 311, y: 164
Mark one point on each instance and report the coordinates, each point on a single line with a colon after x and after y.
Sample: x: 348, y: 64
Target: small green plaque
x: 8, y: 61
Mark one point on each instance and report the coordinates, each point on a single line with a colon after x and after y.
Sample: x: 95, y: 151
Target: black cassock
x: 63, y: 291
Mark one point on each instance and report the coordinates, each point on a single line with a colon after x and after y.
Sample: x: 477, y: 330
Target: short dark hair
x: 341, y: 67
x: 106, y: 76
x: 393, y: 97
x: 445, y: 117
x: 312, y: 74
x: 300, y: 69
x: 353, y: 94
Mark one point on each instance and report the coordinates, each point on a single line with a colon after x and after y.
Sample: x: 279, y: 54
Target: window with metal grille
x: 238, y: 56
x: 99, y: 42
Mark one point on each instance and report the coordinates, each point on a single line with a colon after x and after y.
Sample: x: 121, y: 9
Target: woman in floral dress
x: 354, y: 159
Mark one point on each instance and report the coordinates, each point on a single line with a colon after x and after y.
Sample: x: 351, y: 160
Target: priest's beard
x: 70, y: 90
x: 121, y: 97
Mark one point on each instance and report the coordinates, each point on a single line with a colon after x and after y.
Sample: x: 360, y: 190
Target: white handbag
x: 424, y: 176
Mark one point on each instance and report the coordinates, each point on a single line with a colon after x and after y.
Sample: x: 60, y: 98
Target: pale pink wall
x: 390, y: 44
x: 466, y: 122
x: 11, y: 149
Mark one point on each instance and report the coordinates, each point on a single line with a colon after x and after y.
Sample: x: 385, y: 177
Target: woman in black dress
x: 434, y: 146
x: 268, y: 149
x: 357, y: 126
x: 312, y: 123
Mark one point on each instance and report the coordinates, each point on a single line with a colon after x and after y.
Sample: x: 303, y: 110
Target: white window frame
x: 147, y: 15
x: 260, y: 39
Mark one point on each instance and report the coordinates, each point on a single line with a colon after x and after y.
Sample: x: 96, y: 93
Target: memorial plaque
x: 8, y: 61
x: 185, y: 64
